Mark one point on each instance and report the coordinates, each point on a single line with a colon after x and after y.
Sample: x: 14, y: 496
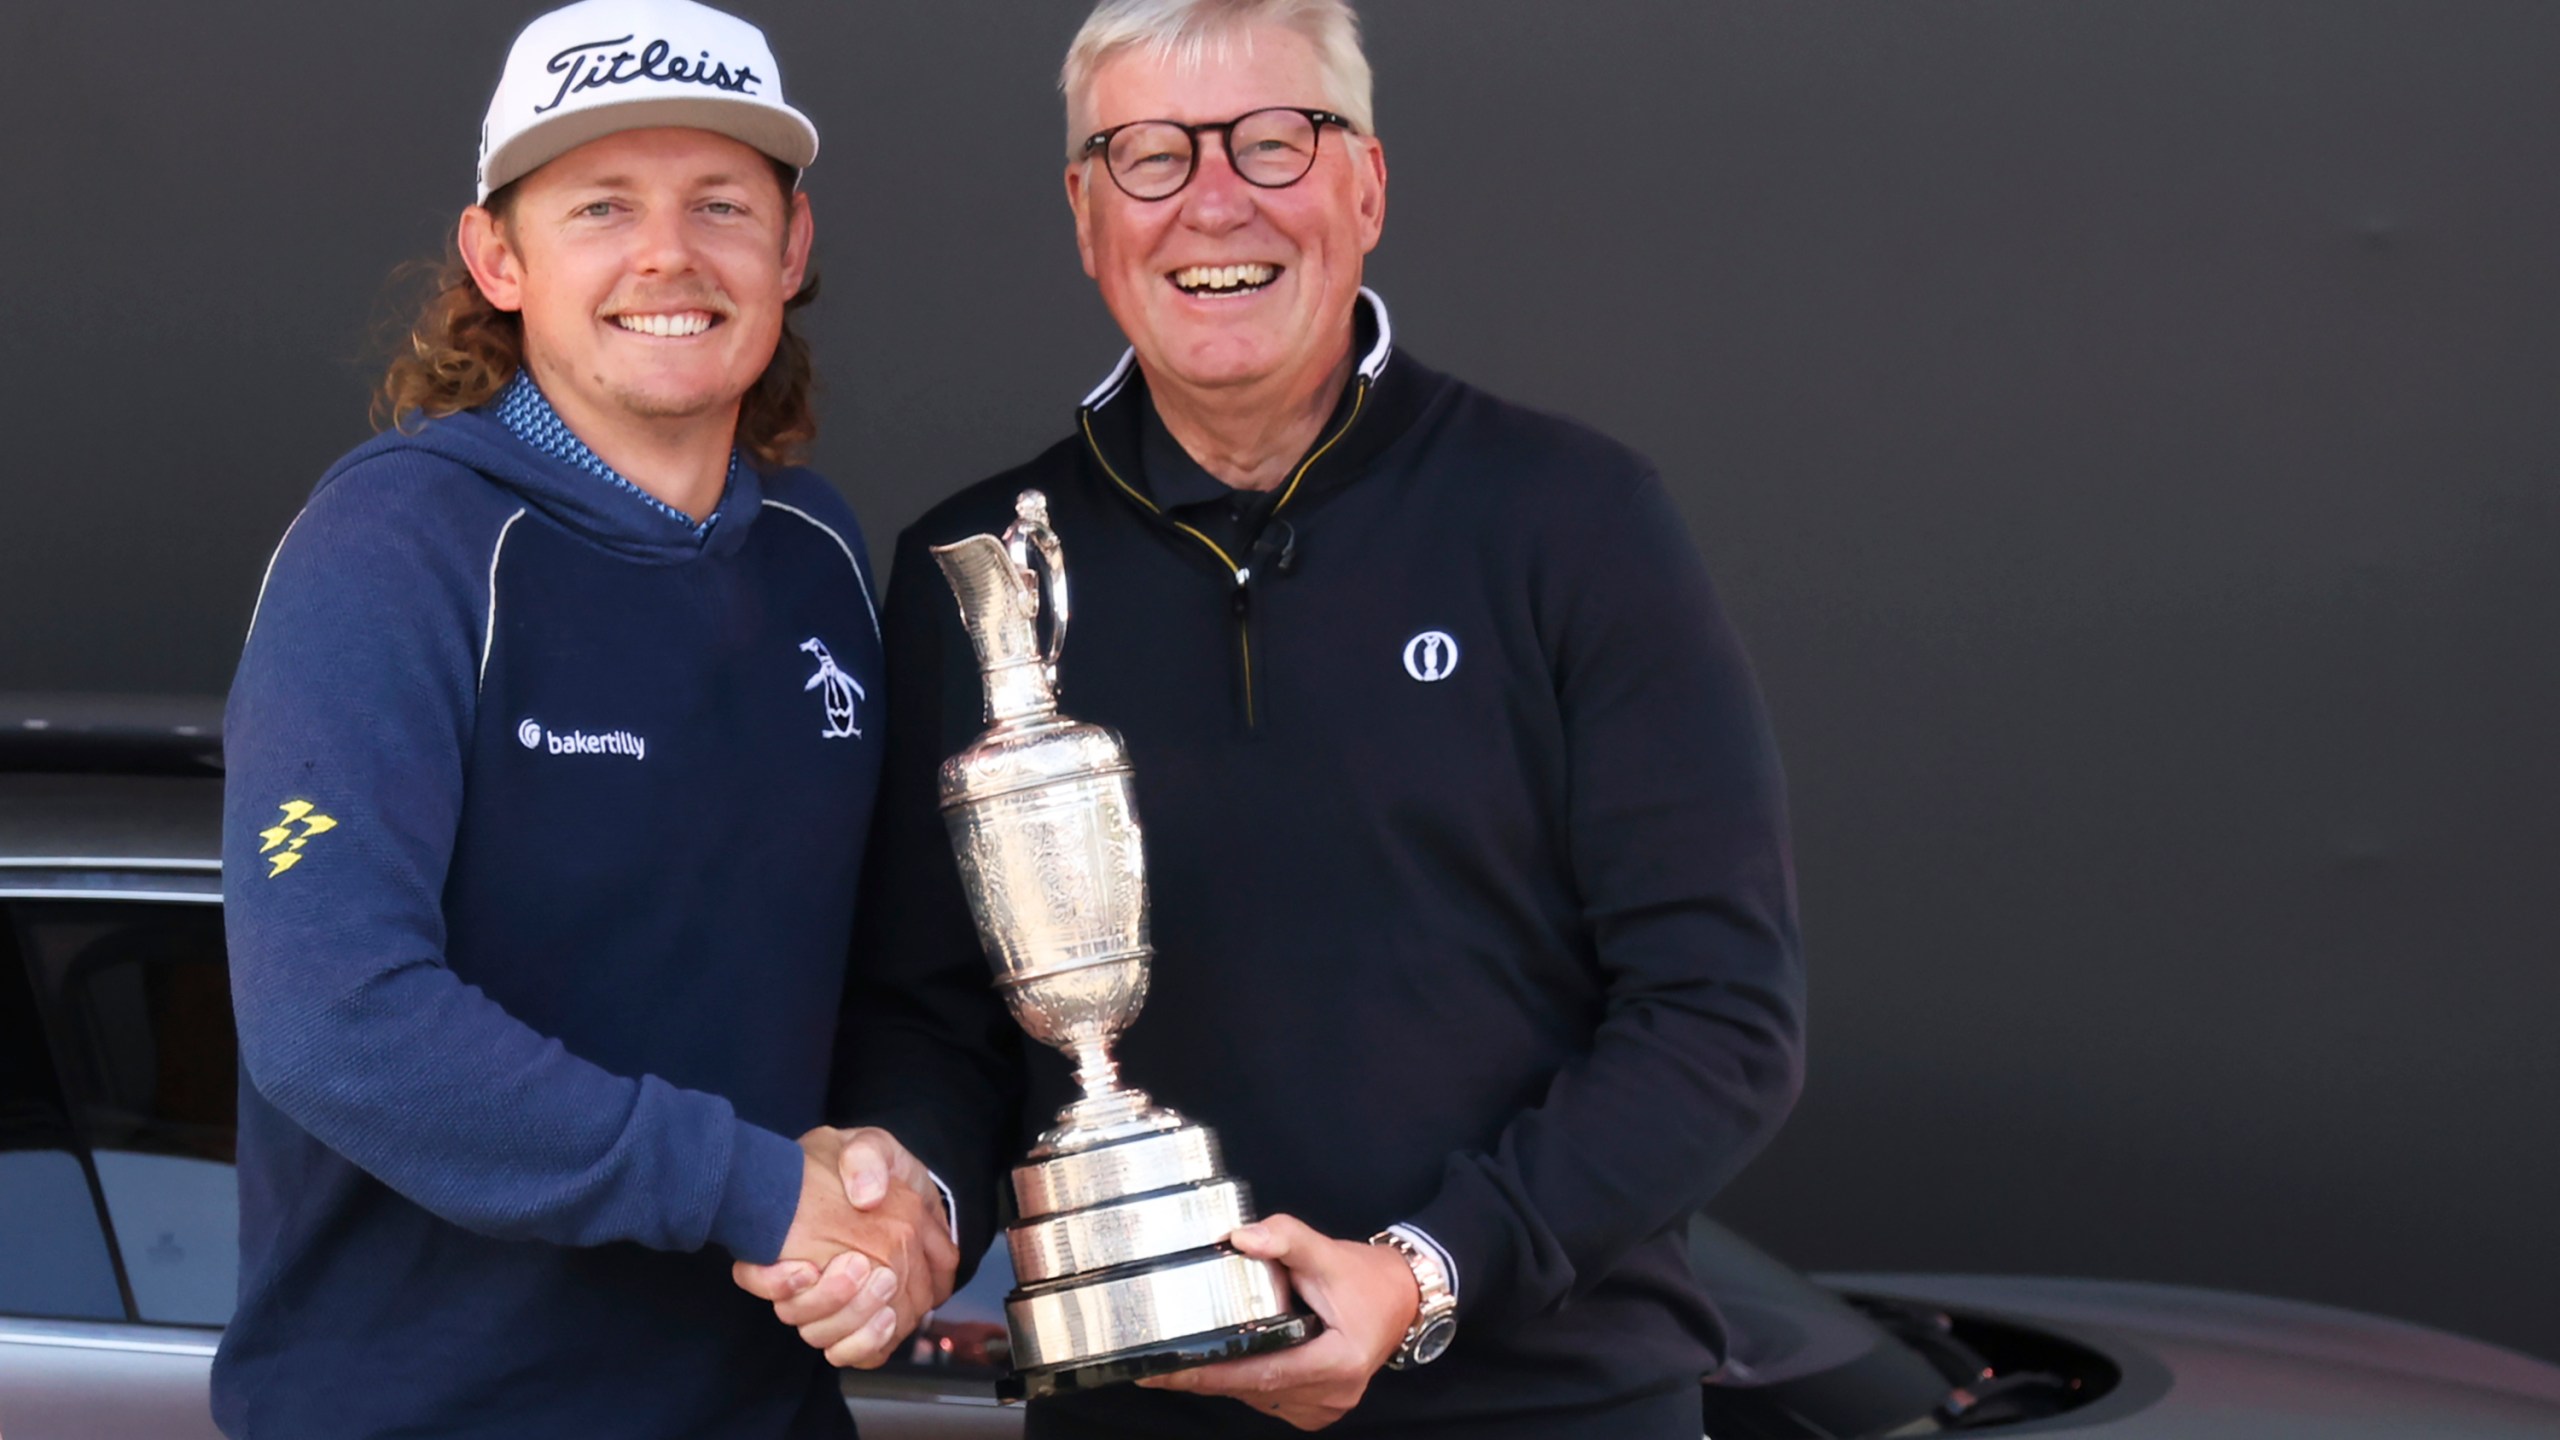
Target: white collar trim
x: 1370, y: 367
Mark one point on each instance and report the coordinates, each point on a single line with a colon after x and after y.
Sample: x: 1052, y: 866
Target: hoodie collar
x: 520, y: 443
x: 527, y: 414
x: 1379, y: 404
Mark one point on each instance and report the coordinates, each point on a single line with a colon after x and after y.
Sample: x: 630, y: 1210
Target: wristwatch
x: 1435, y: 1324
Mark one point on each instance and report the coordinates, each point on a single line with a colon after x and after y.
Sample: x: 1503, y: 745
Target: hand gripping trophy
x: 1119, y: 1251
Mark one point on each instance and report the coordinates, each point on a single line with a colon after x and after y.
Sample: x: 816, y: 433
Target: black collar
x: 1167, y: 472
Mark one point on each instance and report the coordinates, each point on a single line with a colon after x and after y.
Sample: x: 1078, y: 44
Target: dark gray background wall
x: 2127, y: 432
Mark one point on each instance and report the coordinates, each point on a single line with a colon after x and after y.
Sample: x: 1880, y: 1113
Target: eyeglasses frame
x: 1100, y: 141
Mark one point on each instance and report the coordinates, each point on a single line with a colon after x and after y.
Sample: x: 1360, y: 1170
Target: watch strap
x: 1434, y: 1315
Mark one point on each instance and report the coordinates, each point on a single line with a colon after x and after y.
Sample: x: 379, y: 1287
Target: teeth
x: 1225, y: 277
x: 689, y: 322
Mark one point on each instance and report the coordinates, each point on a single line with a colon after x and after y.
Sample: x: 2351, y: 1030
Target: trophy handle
x: 1030, y: 531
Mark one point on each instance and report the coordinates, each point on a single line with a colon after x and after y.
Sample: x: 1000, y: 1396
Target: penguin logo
x: 841, y: 691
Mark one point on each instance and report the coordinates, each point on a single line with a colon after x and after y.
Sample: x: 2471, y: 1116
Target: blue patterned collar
x: 522, y: 408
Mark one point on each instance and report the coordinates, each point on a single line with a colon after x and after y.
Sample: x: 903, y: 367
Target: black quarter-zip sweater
x: 1473, y: 907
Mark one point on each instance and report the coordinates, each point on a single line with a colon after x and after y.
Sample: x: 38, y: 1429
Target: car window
x: 135, y: 1002
x: 122, y: 1070
x: 54, y: 1259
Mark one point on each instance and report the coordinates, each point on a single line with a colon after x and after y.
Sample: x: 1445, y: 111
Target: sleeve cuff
x: 760, y: 1195
x: 1448, y: 1262
x: 1471, y: 1224
x: 950, y: 1208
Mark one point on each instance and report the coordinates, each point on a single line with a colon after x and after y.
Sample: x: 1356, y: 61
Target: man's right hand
x: 868, y: 1253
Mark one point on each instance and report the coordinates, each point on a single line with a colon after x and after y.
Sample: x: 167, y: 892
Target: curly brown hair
x: 461, y: 351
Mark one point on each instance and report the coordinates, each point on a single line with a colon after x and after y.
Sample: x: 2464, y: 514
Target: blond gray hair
x: 1191, y: 31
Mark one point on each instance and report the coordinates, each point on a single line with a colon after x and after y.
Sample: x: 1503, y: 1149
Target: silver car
x: 119, y: 1212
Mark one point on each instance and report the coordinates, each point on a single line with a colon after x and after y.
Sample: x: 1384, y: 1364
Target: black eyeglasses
x: 1153, y: 159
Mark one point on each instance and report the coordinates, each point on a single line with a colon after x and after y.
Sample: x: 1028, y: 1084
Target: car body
x: 118, y: 1255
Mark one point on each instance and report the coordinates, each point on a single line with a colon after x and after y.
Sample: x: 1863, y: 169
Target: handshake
x: 869, y: 1250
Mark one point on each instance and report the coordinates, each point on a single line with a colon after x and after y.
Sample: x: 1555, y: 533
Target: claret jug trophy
x: 1119, y: 1252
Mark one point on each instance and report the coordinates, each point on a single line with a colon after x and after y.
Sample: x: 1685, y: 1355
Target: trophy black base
x: 1161, y: 1358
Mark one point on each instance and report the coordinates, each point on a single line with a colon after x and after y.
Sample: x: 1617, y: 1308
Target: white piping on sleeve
x: 1422, y: 1237
x: 265, y: 579
x: 950, y: 1207
x: 858, y: 578
x: 489, y: 640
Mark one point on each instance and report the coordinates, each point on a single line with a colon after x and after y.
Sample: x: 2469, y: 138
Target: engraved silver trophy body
x: 1119, y: 1252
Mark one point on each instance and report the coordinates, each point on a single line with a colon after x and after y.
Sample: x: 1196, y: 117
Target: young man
x: 550, y: 754
x: 1474, y: 922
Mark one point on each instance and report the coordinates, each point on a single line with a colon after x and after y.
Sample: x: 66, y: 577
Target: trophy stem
x: 1097, y: 1074
x: 1107, y: 1111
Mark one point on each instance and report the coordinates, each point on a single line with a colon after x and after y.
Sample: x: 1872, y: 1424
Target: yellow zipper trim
x: 1359, y: 398
x: 1244, y: 636
x: 1086, y: 419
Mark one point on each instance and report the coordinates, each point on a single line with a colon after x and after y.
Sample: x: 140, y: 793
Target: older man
x: 549, y: 763
x: 1474, y: 922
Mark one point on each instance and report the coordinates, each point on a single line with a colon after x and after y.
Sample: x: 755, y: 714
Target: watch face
x: 1434, y: 1339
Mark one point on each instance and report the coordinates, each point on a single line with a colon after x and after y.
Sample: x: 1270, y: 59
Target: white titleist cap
x: 603, y: 66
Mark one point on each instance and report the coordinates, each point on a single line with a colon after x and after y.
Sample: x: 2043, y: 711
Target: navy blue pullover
x: 1466, y: 841
x: 542, y: 823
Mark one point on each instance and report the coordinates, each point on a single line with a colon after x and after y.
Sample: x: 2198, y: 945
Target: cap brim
x: 776, y: 130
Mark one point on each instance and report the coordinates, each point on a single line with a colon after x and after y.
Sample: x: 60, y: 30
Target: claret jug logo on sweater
x: 1431, y: 656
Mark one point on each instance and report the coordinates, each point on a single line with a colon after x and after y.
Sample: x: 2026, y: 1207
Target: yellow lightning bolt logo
x: 296, y: 812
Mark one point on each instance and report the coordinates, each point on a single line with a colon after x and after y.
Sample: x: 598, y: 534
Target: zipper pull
x: 1242, y: 577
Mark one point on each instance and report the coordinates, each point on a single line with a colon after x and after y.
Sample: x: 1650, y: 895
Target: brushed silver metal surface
x: 1000, y: 608
x: 1087, y: 1322
x: 1057, y: 882
x: 1044, y: 826
x: 89, y: 1381
x: 1188, y: 1156
x: 1147, y: 1228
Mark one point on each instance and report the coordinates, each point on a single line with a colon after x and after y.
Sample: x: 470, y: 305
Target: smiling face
x: 650, y: 269
x: 1226, y: 284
